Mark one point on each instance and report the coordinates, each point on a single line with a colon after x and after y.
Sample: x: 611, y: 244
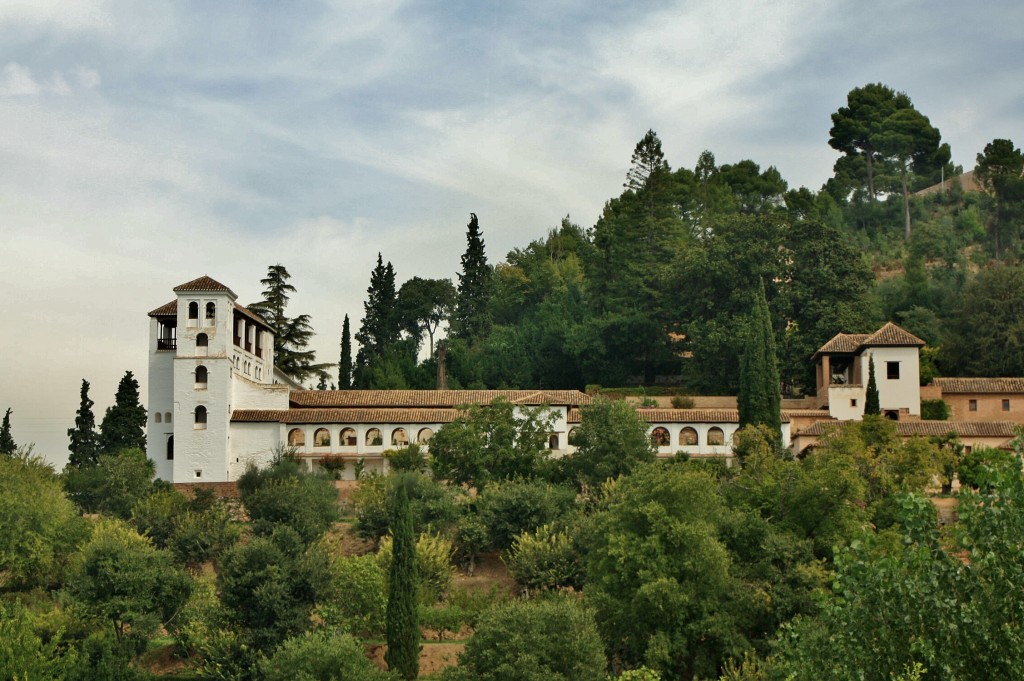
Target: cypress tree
x: 759, y: 400
x: 345, y: 363
x: 85, y: 441
x: 403, y: 631
x: 7, y: 445
x: 379, y: 329
x: 470, y: 320
x: 871, y: 403
x: 291, y: 334
x: 124, y: 423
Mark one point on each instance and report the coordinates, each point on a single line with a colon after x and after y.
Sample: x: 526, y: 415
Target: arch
x: 716, y: 436
x: 211, y: 313
x: 202, y: 340
x: 202, y: 377
x: 296, y: 437
x: 892, y: 415
x: 399, y: 438
x: 167, y: 417
x: 423, y: 437
x: 348, y: 437
x: 553, y: 441
x: 200, y: 423
x: 322, y: 438
x: 660, y: 437
x: 374, y: 438
x: 157, y: 417
x: 193, y: 310
x: 573, y: 434
x: 170, y: 448
x: 687, y: 437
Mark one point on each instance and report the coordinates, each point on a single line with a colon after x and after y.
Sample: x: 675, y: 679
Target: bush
x: 682, y: 402
x: 410, y: 458
x: 509, y: 509
x: 282, y: 495
x: 983, y: 466
x: 546, y: 559
x: 321, y: 656
x: 114, y: 485
x: 443, y: 618
x: 433, y: 564
x: 154, y: 516
x: 360, y: 586
x: 24, y: 654
x: 201, y: 536
x: 433, y: 505
x: 470, y: 540
x: 934, y: 410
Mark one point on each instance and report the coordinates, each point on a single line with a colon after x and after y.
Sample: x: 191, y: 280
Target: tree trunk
x: 906, y: 208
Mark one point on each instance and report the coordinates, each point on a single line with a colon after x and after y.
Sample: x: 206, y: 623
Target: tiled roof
x: 844, y: 342
x: 980, y: 385
x: 341, y: 416
x: 166, y: 310
x: 684, y: 415
x: 203, y: 283
x: 432, y: 398
x: 253, y: 316
x: 930, y: 428
x: 892, y: 335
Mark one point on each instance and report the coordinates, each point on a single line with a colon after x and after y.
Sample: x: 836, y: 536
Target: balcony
x: 166, y: 343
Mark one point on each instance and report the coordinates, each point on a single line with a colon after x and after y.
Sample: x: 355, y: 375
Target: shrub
x: 321, y: 656
x: 443, y: 618
x: 433, y: 505
x: 409, y: 458
x: 510, y: 508
x: 682, y: 402
x: 433, y: 564
x: 983, y: 466
x: 360, y: 586
x: 546, y: 559
x: 282, y: 495
x: 934, y: 410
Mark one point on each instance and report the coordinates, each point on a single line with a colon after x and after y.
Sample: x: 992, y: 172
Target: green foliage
x: 934, y: 410
x: 41, y: 528
x: 489, y: 443
x: 423, y: 304
x: 610, y: 441
x: 124, y: 424
x: 360, y: 603
x: 759, y: 400
x: 291, y: 334
x: 547, y: 640
x: 871, y: 402
x: 113, y: 485
x: 121, y: 578
x: 433, y: 564
x: 401, y: 619
x: 282, y: 495
x: 24, y: 654
x: 470, y: 319
x: 984, y: 466
x: 7, y: 445
x: 682, y: 402
x: 434, y: 505
x: 510, y: 508
x: 85, y: 441
x: 986, y: 333
x: 194, y: 531
x: 377, y: 362
x: 409, y: 458
x: 545, y: 559
x: 345, y: 361
x: 321, y: 656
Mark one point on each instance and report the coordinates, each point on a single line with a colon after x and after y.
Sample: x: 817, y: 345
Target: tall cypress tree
x: 124, y: 423
x: 345, y: 362
x: 871, y: 402
x: 759, y: 399
x: 7, y: 445
x: 471, y: 320
x: 402, y: 626
x: 379, y: 329
x: 291, y: 334
x: 85, y: 441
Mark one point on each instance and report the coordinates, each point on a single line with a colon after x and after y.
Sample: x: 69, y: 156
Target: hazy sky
x: 145, y: 144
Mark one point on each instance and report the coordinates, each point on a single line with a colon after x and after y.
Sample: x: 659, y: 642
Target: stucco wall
x: 901, y: 393
x: 161, y: 400
x: 252, y: 443
x: 989, y: 407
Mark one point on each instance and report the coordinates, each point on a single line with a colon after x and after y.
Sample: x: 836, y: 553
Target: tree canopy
x: 291, y: 334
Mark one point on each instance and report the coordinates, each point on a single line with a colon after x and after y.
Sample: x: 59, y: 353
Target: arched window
x: 424, y: 436
x: 296, y: 438
x: 660, y: 437
x: 573, y: 433
x: 553, y: 441
x: 193, y: 310
x: 170, y: 448
x: 348, y: 438
x: 211, y: 313
x: 157, y: 417
x: 374, y: 438
x: 322, y: 438
x: 716, y: 436
x: 167, y: 417
x: 200, y: 423
x: 688, y: 437
x: 202, y: 341
x: 202, y: 377
x: 399, y: 438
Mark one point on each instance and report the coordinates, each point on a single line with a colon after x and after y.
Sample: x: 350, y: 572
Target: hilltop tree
x: 759, y: 400
x: 291, y: 334
x: 124, y: 424
x: 345, y: 363
x: 401, y: 622
x: 85, y: 441
x: 871, y: 403
x: 1000, y: 171
x: 7, y: 445
x: 471, y: 319
x: 379, y: 332
x: 423, y: 304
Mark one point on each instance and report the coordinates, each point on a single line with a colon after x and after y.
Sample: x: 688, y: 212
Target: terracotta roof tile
x: 844, y: 343
x: 980, y: 385
x: 166, y: 310
x: 432, y: 398
x: 203, y: 283
x: 892, y: 335
x: 344, y: 416
x: 929, y: 428
x: 684, y: 415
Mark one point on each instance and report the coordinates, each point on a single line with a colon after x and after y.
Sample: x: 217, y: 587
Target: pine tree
x: 471, y: 320
x: 85, y: 441
x: 291, y: 334
x: 345, y: 363
x: 379, y: 329
x: 402, y: 626
x: 759, y: 400
x: 7, y: 445
x: 124, y: 424
x: 871, y: 403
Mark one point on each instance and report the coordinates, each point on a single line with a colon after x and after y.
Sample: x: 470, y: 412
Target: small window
x: 423, y: 437
x: 193, y: 310
x: 157, y: 417
x: 211, y: 313
x: 687, y: 437
x: 202, y: 377
x: 1006, y: 405
x: 348, y: 438
x: 853, y: 401
x: 374, y: 438
x: 202, y: 341
x: 573, y: 433
x: 399, y: 438
x: 170, y: 448
x: 972, y: 405
x: 199, y: 473
x: 296, y: 438
x: 322, y: 438
x: 167, y: 417
x: 553, y: 441
x: 892, y: 370
x: 716, y: 436
x: 200, y: 423
x: 660, y: 437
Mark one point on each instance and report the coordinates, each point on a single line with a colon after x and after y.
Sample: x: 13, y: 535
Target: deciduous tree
x: 611, y: 440
x: 423, y: 304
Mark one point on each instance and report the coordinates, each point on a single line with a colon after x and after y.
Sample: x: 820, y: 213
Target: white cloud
x: 17, y: 81
x: 75, y: 15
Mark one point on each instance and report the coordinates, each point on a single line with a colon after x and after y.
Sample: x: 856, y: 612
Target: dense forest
x: 659, y: 289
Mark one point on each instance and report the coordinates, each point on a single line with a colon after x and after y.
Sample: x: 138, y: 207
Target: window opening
x: 200, y: 423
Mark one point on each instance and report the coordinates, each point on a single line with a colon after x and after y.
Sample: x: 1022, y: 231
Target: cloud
x: 76, y: 15
x: 17, y: 81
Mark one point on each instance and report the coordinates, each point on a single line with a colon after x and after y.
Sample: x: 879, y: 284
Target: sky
x: 145, y: 144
